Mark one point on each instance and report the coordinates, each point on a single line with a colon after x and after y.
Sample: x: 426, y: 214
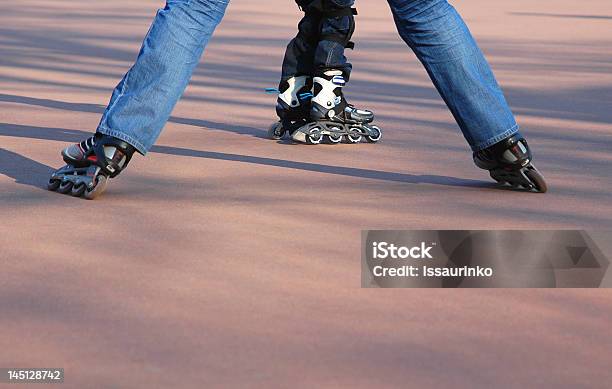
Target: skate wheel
x: 276, y: 131
x: 375, y: 134
x: 315, y: 137
x: 335, y: 138
x: 78, y: 190
x: 98, y: 189
x: 355, y: 135
x: 53, y: 184
x: 65, y: 187
x: 537, y: 180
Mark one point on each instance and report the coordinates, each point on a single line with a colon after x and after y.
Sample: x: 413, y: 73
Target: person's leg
x: 315, y: 67
x: 323, y: 34
x: 330, y: 114
x: 336, y: 30
x: 299, y: 55
x: 295, y: 86
x: 144, y: 99
x: 142, y: 102
x: 332, y: 69
x: 443, y: 43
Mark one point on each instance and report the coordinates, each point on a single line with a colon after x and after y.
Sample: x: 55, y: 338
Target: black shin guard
x: 324, y: 10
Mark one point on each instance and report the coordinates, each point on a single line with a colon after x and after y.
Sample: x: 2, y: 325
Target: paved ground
x: 225, y: 259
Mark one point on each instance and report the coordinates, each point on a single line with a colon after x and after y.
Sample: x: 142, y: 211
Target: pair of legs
x: 315, y: 70
x: 323, y: 34
x: 142, y: 102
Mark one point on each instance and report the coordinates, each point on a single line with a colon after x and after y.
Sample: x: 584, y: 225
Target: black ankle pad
x: 113, y: 166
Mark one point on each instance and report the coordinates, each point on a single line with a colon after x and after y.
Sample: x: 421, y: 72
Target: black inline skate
x: 509, y: 162
x: 292, y: 106
x: 333, y: 117
x: 90, y: 165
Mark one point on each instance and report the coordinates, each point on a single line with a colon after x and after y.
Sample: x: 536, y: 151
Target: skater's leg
x: 295, y: 86
x: 332, y: 69
x: 299, y: 56
x: 458, y: 69
x: 336, y: 30
x: 462, y: 75
x: 330, y: 113
x: 143, y: 101
x: 323, y: 34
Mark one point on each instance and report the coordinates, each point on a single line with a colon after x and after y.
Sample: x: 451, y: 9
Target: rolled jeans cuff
x: 496, y: 139
x: 124, y: 137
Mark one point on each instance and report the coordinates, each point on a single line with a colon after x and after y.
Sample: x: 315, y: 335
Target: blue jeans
x: 440, y: 39
x: 142, y: 102
x: 144, y: 99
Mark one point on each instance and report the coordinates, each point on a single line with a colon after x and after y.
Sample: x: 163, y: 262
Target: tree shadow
x: 29, y: 172
x: 99, y: 109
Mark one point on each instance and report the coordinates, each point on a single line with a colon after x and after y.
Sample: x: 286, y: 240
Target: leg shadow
x: 58, y: 134
x: 327, y: 169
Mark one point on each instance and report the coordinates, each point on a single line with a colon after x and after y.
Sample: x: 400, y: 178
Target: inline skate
x: 90, y: 165
x: 292, y: 106
x: 509, y: 162
x: 333, y: 117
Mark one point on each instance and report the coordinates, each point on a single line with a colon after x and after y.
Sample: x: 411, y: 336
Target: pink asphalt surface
x: 226, y: 259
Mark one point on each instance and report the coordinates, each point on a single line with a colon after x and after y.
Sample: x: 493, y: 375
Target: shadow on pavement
x: 99, y: 109
x: 552, y: 15
x: 25, y: 172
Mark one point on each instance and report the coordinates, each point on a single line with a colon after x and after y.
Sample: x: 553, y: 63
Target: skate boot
x: 292, y: 106
x: 90, y: 164
x: 509, y: 162
x: 333, y: 117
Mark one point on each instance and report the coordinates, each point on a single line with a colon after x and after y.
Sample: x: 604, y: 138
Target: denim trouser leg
x: 143, y: 101
x: 436, y: 33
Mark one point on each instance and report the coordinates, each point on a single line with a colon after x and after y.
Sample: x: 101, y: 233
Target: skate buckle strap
x: 334, y: 38
x: 339, y: 80
x: 305, y: 96
x: 336, y: 13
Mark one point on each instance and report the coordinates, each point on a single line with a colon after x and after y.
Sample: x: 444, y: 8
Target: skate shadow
x: 24, y: 170
x: 29, y: 172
